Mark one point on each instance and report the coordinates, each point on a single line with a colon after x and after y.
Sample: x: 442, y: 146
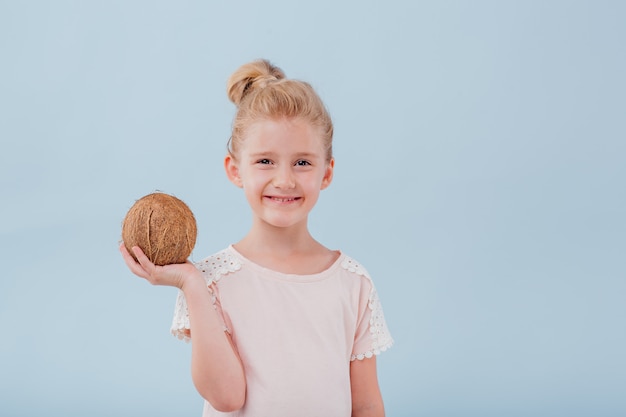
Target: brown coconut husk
x: 162, y: 226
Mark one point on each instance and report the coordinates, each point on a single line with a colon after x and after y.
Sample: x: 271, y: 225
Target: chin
x: 282, y: 223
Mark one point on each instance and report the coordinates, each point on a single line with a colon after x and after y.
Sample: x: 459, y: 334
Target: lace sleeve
x: 180, y: 324
x: 372, y: 335
x: 212, y: 268
x: 377, y: 331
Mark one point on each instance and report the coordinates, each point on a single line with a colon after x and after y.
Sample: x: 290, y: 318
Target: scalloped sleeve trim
x: 213, y: 269
x: 381, y: 339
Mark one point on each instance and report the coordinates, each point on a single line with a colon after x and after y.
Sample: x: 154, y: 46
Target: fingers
x: 171, y: 275
x: 143, y: 260
x: 132, y: 264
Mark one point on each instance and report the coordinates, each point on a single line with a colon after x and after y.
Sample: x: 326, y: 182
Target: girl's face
x: 281, y: 167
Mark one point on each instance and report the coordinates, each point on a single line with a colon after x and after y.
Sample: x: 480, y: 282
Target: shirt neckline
x: 285, y: 276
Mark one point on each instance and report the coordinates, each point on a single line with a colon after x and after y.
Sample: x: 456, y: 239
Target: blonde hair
x: 261, y: 91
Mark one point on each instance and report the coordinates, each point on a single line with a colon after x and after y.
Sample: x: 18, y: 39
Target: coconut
x: 163, y: 227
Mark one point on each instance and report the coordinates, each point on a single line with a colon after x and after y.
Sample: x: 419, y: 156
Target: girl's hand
x: 175, y: 275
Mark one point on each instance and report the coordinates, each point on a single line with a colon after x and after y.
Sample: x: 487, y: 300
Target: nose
x: 284, y: 178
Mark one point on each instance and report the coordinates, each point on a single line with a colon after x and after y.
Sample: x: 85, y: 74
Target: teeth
x: 282, y: 200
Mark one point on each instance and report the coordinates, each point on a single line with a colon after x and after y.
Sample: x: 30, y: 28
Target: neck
x: 264, y: 238
x: 289, y: 250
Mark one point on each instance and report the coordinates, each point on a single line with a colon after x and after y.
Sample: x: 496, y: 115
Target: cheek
x: 254, y: 183
x: 253, y: 193
x: 313, y: 183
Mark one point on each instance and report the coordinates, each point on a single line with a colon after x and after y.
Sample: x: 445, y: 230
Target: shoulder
x: 218, y: 265
x: 351, y: 265
x: 356, y: 274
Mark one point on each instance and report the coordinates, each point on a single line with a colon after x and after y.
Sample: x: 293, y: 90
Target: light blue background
x: 481, y: 167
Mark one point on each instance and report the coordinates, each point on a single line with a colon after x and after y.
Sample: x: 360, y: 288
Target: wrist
x: 192, y: 281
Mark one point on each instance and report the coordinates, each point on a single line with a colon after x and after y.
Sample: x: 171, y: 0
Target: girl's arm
x: 216, y: 368
x: 366, y: 398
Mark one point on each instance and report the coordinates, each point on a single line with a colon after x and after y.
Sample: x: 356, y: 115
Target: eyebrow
x: 258, y: 154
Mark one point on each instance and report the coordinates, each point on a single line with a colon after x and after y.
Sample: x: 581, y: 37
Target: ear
x: 232, y: 171
x: 328, y: 174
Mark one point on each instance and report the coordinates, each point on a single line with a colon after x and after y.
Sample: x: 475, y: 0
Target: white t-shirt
x: 296, y: 334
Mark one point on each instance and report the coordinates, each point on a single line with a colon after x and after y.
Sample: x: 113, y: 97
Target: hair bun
x: 251, y: 76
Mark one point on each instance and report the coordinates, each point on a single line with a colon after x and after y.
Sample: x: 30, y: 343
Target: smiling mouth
x: 283, y: 199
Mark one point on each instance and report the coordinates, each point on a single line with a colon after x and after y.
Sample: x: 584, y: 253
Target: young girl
x: 279, y: 325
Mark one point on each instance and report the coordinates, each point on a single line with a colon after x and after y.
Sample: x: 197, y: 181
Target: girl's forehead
x: 283, y: 134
